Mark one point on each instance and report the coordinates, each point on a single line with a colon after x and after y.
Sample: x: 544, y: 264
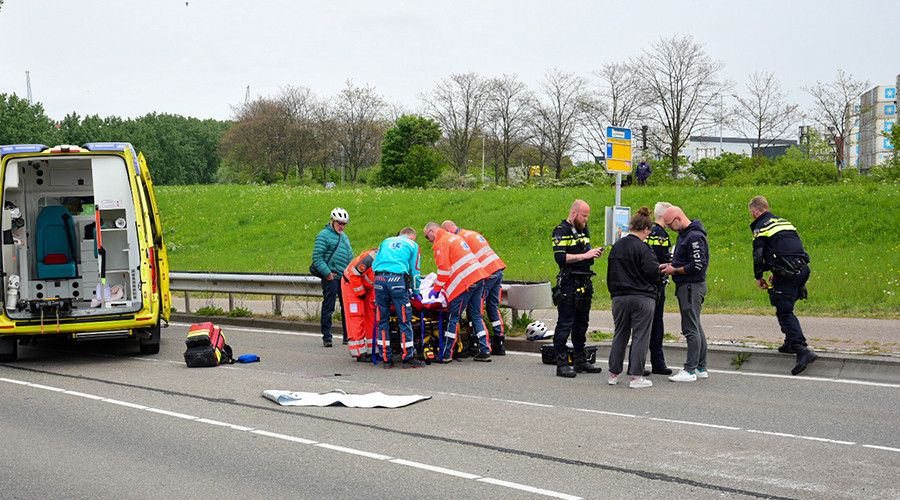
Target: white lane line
x: 224, y: 424
x: 701, y: 424
x: 172, y: 414
x: 295, y: 439
x: 434, y: 468
x: 529, y: 489
x: 881, y: 447
x: 810, y: 438
x: 284, y: 437
x: 353, y: 451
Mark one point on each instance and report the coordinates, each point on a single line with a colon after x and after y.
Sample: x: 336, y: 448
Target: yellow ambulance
x: 82, y: 249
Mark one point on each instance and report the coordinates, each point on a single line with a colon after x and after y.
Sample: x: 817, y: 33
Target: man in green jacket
x: 331, y: 255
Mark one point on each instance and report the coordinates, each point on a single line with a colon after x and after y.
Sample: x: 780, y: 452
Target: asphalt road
x: 97, y: 420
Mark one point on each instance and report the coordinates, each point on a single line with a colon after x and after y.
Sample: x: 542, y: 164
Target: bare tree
x: 301, y: 105
x: 361, y: 125
x: 615, y: 100
x: 325, y: 131
x: 508, y: 112
x: 761, y: 114
x: 835, y: 108
x: 681, y: 81
x: 457, y: 104
x: 557, y: 116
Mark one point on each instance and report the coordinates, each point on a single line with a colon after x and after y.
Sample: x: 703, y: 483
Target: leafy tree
x: 23, y: 123
x: 407, y: 155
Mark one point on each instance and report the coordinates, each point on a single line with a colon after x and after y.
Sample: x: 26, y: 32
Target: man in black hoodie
x: 690, y: 259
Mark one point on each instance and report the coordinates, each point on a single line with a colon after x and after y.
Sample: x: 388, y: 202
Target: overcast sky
x: 131, y: 57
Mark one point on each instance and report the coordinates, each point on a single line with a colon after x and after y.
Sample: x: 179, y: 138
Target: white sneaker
x: 640, y: 383
x: 613, y: 379
x: 702, y: 374
x: 683, y: 376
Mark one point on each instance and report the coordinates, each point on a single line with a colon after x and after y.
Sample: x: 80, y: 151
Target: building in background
x: 702, y: 146
x: 877, y: 115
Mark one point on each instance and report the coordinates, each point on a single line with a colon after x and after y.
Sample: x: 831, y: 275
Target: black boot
x: 804, y: 357
x: 562, y: 366
x: 582, y: 364
x: 497, y: 346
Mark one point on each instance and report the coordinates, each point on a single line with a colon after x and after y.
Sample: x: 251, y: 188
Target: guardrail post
x: 230, y: 302
x: 278, y: 305
x: 187, y: 301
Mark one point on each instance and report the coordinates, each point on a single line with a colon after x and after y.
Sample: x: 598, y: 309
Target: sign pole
x: 618, y: 189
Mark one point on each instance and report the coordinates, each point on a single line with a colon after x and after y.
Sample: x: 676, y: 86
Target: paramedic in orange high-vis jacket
x: 461, y: 279
x: 359, y: 304
x: 493, y: 265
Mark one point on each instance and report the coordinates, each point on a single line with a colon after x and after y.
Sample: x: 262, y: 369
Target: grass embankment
x: 852, y: 233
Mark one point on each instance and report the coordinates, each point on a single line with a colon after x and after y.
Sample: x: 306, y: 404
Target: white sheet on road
x: 338, y: 397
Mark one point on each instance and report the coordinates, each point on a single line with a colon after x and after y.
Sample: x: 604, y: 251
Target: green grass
x: 852, y: 233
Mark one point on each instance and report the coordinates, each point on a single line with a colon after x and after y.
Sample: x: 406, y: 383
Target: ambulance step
x: 115, y: 334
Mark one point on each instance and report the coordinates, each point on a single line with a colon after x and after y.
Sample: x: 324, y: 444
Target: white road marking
x: 295, y: 439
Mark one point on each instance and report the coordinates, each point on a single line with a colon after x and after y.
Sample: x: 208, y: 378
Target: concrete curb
x: 869, y: 368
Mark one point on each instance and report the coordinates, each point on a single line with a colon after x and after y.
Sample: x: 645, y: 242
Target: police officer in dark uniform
x: 574, y: 290
x: 659, y: 243
x: 777, y: 248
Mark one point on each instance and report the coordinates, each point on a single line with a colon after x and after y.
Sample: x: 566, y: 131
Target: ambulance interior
x: 53, y: 257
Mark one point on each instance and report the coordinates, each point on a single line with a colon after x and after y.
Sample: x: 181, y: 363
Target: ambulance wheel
x: 9, y: 350
x: 151, y: 345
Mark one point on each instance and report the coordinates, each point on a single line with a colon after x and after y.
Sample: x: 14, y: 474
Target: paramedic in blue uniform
x: 574, y: 290
x: 396, y: 270
x: 777, y: 248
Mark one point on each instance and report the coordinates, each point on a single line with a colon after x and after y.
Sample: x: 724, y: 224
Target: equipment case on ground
x: 548, y: 354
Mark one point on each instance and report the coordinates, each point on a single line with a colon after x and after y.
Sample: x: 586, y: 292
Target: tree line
x: 179, y: 150
x: 672, y: 90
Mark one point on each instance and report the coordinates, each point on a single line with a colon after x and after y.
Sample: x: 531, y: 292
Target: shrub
x: 211, y: 311
x: 240, y: 312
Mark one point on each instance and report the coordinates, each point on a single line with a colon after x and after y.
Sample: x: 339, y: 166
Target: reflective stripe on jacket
x: 489, y: 260
x: 359, y: 273
x: 458, y: 268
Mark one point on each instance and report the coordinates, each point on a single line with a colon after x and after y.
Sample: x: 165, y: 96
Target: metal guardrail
x: 517, y: 295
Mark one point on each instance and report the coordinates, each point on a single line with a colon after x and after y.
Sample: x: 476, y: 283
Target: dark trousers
x: 657, y: 359
x: 784, y: 293
x: 573, y: 313
x: 390, y: 290
x: 632, y: 316
x: 331, y: 292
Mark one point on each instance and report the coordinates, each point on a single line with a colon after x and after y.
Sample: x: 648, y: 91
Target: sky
x: 196, y: 58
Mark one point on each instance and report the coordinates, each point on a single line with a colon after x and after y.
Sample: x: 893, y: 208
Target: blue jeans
x: 331, y: 292
x: 492, y: 302
x: 390, y: 289
x: 470, y: 302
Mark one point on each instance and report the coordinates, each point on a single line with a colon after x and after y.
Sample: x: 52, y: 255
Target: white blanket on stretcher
x: 338, y: 397
x: 426, y: 286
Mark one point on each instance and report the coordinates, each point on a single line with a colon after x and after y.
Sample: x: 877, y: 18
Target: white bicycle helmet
x: 537, y: 330
x: 340, y: 215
